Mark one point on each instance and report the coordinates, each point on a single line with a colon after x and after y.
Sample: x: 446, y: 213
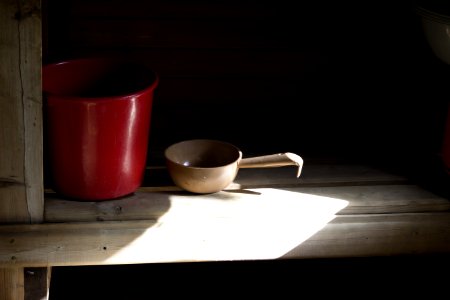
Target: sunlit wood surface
x: 331, y: 211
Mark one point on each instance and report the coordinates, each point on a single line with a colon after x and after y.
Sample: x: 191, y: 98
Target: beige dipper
x: 208, y: 166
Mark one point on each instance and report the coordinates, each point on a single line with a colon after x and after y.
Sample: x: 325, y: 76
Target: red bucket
x: 98, y: 114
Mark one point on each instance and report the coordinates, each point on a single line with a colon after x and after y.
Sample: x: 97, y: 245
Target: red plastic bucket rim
x: 149, y: 88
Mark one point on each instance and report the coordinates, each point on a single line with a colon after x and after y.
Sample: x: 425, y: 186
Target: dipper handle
x: 273, y: 160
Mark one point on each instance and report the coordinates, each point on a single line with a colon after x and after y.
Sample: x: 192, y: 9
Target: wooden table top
x: 331, y: 211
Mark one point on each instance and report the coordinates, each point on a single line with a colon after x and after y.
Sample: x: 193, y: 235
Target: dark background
x: 323, y: 79
x: 319, y: 78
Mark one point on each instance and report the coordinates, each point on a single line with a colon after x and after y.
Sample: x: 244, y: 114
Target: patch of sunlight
x: 263, y: 223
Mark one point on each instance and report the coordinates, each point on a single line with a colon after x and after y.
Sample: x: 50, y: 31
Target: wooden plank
x: 145, y: 203
x: 379, y: 199
x: 159, y: 184
x: 153, y: 205
x: 21, y: 189
x: 251, y: 235
x: 379, y: 235
x: 11, y: 283
x: 21, y: 181
x: 13, y: 205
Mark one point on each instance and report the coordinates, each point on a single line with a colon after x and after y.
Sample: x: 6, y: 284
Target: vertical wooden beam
x: 11, y: 284
x: 21, y: 157
x: 21, y: 182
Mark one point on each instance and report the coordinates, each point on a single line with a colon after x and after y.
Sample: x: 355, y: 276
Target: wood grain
x: 21, y: 148
x: 21, y: 188
x: 379, y: 235
x: 205, y: 238
x: 335, y: 210
x: 153, y: 205
x: 12, y: 283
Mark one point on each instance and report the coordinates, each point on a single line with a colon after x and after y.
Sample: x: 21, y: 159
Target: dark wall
x: 319, y: 78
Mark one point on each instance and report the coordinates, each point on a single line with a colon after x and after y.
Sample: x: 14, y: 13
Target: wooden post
x: 21, y: 157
